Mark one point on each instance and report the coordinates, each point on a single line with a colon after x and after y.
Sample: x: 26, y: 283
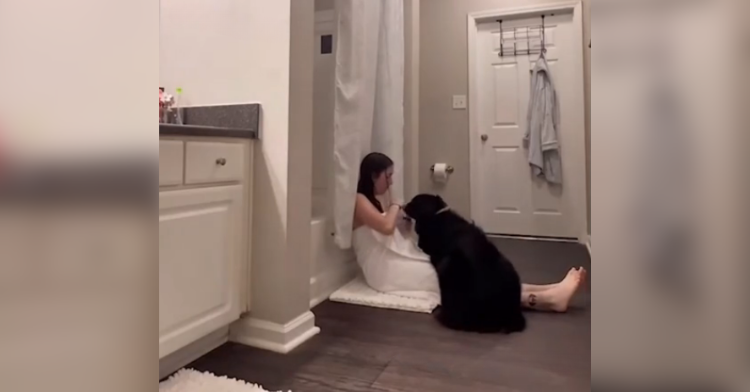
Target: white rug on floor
x: 357, y: 292
x: 188, y: 380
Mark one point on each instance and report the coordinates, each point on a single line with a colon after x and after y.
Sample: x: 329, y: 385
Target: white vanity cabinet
x: 203, y: 238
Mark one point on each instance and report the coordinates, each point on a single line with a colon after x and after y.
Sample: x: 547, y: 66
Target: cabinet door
x: 199, y: 248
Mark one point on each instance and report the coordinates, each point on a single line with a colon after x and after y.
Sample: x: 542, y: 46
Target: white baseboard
x: 326, y: 283
x: 180, y: 358
x: 274, y: 337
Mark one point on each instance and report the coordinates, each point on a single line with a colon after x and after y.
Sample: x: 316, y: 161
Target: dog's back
x: 480, y: 288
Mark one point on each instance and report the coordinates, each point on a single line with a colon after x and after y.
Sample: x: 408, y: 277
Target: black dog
x: 480, y: 289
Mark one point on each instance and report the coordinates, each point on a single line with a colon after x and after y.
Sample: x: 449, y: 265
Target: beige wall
x: 411, y: 98
x: 587, y: 81
x: 323, y: 5
x: 444, y: 132
x: 199, y: 52
x: 280, y: 288
x: 296, y: 270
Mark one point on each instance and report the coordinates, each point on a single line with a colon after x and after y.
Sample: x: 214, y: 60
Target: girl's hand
x: 405, y: 224
x: 394, y: 201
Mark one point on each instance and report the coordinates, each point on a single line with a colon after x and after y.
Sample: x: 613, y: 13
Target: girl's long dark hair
x: 372, y: 167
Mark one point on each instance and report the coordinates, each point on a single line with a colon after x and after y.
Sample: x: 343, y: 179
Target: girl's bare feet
x: 579, y: 270
x: 562, y: 293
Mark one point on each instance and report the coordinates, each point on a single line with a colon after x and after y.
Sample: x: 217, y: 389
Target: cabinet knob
x: 221, y: 162
x: 484, y: 138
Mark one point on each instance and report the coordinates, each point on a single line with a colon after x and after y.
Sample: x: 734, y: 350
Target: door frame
x: 578, y: 196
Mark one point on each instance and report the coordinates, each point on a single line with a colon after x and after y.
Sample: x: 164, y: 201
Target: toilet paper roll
x: 440, y: 173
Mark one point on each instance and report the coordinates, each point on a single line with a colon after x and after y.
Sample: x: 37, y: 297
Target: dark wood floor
x: 367, y: 349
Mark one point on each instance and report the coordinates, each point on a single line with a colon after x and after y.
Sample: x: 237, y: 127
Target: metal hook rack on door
x: 541, y: 34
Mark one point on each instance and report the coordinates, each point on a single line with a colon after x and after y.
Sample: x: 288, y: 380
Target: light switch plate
x: 459, y: 102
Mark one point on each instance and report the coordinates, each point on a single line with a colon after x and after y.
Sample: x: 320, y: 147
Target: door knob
x: 484, y: 138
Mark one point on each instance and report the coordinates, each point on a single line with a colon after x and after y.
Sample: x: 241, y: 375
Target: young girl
x: 391, y: 261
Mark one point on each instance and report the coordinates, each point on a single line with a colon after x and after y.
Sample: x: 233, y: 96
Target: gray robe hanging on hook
x: 543, y: 123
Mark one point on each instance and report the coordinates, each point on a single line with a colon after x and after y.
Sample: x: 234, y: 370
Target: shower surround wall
x: 323, y: 102
x: 331, y: 267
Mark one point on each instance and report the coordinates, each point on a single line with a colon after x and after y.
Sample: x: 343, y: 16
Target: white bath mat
x: 188, y: 380
x: 357, y: 292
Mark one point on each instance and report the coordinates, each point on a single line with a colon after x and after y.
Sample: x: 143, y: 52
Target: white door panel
x: 198, y: 263
x: 512, y: 200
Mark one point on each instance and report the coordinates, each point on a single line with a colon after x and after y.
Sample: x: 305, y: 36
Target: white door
x: 510, y: 199
x: 198, y: 263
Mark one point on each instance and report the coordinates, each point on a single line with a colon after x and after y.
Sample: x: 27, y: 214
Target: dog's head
x: 424, y: 206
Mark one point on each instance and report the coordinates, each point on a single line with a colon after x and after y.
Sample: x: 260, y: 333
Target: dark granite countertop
x: 237, y: 121
x: 208, y: 131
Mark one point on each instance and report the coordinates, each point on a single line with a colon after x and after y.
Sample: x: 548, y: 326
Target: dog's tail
x: 510, y: 321
x: 516, y: 322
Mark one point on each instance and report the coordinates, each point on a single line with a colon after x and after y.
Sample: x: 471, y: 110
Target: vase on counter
x: 161, y: 105
x: 167, y: 108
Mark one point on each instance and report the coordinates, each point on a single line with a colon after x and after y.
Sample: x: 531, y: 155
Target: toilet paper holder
x: 448, y: 169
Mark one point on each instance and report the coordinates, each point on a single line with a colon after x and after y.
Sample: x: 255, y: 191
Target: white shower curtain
x: 369, y: 109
